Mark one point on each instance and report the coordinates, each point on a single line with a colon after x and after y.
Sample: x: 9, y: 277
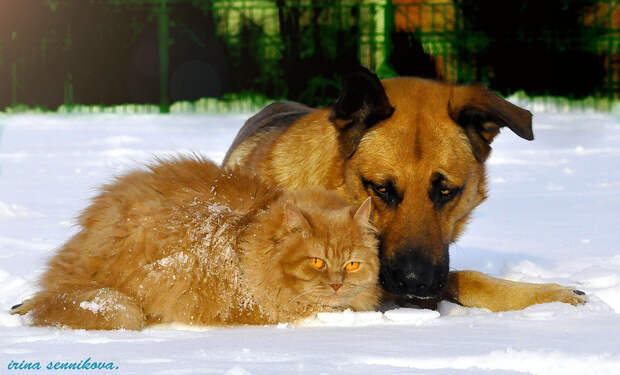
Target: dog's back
x: 274, y: 118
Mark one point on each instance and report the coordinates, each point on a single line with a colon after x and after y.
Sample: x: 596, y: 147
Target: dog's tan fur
x: 421, y: 138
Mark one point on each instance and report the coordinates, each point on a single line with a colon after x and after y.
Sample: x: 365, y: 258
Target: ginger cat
x: 187, y: 242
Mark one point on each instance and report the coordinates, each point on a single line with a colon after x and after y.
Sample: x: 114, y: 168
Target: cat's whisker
x: 293, y: 299
x: 270, y: 248
x: 358, y: 288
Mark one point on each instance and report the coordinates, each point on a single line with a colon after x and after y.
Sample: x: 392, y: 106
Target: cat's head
x: 327, y: 252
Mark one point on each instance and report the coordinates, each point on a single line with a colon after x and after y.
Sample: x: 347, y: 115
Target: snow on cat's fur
x: 186, y: 242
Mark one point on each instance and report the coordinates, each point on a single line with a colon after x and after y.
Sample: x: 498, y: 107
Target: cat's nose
x: 335, y: 286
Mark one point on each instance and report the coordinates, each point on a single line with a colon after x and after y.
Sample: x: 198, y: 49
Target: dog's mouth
x: 413, y: 297
x: 412, y: 289
x: 412, y: 275
x: 390, y: 288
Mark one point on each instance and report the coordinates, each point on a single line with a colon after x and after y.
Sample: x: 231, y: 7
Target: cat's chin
x: 335, y: 302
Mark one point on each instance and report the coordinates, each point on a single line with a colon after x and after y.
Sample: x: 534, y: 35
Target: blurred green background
x: 109, y: 52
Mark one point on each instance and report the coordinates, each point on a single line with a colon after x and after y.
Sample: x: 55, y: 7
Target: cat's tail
x: 99, y: 308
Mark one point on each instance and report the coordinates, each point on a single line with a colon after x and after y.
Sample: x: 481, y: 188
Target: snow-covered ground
x: 552, y: 216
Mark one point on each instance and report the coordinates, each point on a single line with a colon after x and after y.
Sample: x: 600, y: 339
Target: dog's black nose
x: 412, y: 275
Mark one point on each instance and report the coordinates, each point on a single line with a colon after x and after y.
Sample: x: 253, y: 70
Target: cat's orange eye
x: 445, y: 192
x: 352, y: 266
x: 382, y: 189
x: 317, y: 263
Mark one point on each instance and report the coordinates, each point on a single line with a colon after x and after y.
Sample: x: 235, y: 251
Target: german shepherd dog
x: 418, y: 148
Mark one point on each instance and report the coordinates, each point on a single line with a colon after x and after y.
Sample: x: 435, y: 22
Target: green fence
x: 280, y: 48
x: 605, y: 18
x: 440, y: 27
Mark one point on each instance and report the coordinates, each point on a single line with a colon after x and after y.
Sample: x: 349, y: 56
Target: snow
x: 13, y: 210
x: 348, y: 318
x: 103, y: 302
x: 552, y: 216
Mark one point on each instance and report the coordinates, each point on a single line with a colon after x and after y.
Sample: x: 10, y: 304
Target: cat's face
x: 329, y: 257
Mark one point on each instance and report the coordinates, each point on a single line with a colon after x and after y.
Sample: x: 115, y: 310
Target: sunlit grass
x: 230, y: 103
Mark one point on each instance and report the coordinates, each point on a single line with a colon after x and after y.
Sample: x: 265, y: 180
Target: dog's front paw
x: 566, y: 295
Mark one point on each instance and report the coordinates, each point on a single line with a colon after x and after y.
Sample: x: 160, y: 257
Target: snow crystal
x: 146, y: 361
x: 104, y: 301
x: 218, y: 209
x: 119, y: 140
x: 174, y: 260
x: 348, y: 318
x: 92, y: 306
x: 411, y: 316
x: 14, y: 210
x: 531, y: 362
x: 237, y: 371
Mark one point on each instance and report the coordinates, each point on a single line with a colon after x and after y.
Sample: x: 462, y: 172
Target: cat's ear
x: 295, y: 220
x: 362, y: 215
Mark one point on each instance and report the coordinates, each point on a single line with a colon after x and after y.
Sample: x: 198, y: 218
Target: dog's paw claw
x: 573, y: 296
x: 558, y: 293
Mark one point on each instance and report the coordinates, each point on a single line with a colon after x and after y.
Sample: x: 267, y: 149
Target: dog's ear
x: 362, y: 104
x: 482, y: 113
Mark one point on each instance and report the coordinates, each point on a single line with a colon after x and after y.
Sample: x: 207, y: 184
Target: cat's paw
x: 21, y: 308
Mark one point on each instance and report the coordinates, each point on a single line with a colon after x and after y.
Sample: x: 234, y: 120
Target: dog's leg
x: 475, y: 289
x: 101, y: 308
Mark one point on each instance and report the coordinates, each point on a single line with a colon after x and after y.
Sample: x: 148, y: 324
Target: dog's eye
x: 386, y: 192
x: 447, y: 194
x: 383, y: 192
x: 442, y: 194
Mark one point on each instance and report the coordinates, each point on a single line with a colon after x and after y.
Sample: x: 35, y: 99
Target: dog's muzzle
x: 413, y: 276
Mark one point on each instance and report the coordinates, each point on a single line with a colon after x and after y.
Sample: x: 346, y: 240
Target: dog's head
x: 418, y: 148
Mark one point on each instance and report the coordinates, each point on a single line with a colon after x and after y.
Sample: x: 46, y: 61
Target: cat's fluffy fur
x: 186, y: 242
